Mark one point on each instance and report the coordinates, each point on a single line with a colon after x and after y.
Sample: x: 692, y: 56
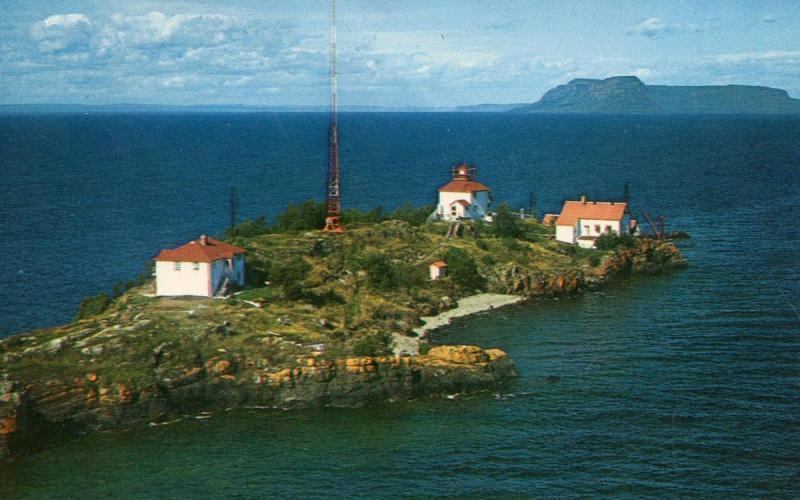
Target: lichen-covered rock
x: 86, y: 404
x: 463, y: 354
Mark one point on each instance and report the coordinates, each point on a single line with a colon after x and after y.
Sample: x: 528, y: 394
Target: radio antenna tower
x: 332, y: 221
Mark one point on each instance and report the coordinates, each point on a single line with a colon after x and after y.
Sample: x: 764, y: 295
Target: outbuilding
x: 584, y: 221
x: 204, y: 267
x: 437, y: 270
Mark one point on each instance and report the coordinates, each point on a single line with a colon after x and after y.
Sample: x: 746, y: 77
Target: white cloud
x: 655, y: 27
x: 173, y: 81
x: 156, y: 28
x: 63, y: 32
x: 65, y: 20
x: 769, y: 55
x: 238, y: 82
x: 650, y: 27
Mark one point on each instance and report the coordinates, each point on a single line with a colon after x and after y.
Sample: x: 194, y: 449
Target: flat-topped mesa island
x: 325, y: 320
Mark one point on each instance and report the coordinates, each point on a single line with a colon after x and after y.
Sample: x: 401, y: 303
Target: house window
x: 196, y: 266
x: 586, y: 230
x: 608, y: 229
x: 597, y: 228
x: 453, y: 210
x: 177, y: 266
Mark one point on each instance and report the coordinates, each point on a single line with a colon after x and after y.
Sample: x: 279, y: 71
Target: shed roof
x: 439, y: 263
x: 549, y: 219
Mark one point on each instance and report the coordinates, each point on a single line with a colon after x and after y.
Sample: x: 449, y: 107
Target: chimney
x: 583, y: 199
x: 203, y: 239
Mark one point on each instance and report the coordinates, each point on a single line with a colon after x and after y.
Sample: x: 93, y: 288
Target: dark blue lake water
x: 686, y: 384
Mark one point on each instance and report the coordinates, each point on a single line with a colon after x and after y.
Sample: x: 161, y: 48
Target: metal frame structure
x: 332, y: 221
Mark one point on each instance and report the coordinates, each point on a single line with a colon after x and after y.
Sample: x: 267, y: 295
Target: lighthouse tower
x: 464, y: 197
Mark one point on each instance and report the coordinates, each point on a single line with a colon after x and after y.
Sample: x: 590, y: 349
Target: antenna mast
x: 332, y: 221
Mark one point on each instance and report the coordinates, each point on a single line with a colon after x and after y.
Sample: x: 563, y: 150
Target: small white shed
x: 437, y: 270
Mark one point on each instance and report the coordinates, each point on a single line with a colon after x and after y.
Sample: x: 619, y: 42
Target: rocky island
x: 628, y: 94
x: 324, y: 331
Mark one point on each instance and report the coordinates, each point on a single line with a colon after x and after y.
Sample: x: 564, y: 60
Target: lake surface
x: 679, y: 385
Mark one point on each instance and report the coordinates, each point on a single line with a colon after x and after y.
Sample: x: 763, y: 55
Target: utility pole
x: 532, y: 204
x: 233, y: 211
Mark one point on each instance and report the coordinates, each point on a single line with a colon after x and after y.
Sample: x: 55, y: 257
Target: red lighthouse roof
x: 463, y: 181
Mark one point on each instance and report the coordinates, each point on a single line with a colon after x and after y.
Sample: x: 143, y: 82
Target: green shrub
x: 383, y: 274
x: 482, y: 244
x: 380, y: 271
x: 373, y: 344
x: 512, y: 244
x: 303, y: 217
x: 414, y: 216
x: 290, y: 275
x: 462, y: 269
x: 506, y: 224
x: 611, y: 241
x: 249, y: 228
x: 94, y: 305
x: 256, y: 271
x: 358, y: 216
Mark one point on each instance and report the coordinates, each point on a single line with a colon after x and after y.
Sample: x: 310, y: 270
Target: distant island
x: 618, y: 94
x: 628, y: 94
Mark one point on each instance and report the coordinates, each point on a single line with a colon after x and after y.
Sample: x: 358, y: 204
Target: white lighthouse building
x: 464, y: 197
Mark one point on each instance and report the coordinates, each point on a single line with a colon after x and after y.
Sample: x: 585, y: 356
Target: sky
x: 390, y: 53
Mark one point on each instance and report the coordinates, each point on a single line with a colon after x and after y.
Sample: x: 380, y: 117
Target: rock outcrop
x: 46, y: 410
x: 647, y: 256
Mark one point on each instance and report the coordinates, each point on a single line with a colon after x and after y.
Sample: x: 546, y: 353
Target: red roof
x: 195, y: 251
x: 598, y: 210
x: 462, y: 186
x: 548, y: 219
x: 463, y: 203
x: 439, y: 263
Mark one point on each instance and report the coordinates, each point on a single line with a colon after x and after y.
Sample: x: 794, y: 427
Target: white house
x: 203, y: 267
x: 437, y: 270
x: 583, y: 221
x: 463, y: 197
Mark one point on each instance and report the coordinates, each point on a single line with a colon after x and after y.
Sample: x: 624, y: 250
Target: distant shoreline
x: 15, y: 110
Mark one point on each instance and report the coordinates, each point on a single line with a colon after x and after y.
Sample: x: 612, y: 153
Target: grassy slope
x: 119, y: 344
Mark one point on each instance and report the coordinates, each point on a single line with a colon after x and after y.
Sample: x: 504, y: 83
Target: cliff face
x: 628, y: 94
x: 36, y: 413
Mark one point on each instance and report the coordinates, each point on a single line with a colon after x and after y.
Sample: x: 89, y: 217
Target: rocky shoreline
x: 33, y: 414
x: 151, y: 360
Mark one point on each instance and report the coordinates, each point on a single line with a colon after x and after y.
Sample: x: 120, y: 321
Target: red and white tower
x: 332, y: 221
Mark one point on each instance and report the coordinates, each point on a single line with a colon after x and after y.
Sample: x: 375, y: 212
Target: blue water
x: 680, y: 385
